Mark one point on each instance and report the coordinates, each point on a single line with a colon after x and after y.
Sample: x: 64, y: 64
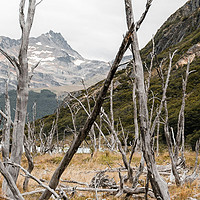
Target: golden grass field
x: 82, y: 168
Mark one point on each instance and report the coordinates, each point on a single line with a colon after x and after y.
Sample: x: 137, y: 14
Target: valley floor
x: 83, y: 168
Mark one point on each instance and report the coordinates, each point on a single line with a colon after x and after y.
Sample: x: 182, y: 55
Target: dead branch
x: 5, y: 116
x: 103, y: 181
x: 89, y: 122
x: 165, y: 83
x: 11, y: 59
x: 34, y: 178
x: 30, y: 165
x: 159, y: 186
x: 148, y: 5
x: 10, y: 182
x: 102, y: 134
x: 75, y: 182
x: 195, y: 173
x: 181, y: 118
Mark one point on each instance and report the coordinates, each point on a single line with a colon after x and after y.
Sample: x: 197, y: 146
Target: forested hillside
x: 182, y: 33
x: 46, y: 103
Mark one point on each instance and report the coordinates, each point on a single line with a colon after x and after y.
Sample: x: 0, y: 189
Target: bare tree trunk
x: 181, y: 119
x: 92, y: 131
x: 158, y: 184
x: 22, y: 87
x: 30, y: 166
x: 170, y: 148
x: 136, y: 115
x: 89, y: 122
x: 6, y: 133
x: 112, y: 116
x: 157, y: 140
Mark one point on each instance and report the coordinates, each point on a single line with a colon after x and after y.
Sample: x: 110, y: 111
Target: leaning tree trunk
x: 91, y: 119
x: 158, y: 184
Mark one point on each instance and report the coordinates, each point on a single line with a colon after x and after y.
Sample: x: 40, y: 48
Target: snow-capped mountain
x: 59, y: 64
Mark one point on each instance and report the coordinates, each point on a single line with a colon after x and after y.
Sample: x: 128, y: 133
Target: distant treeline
x: 46, y: 103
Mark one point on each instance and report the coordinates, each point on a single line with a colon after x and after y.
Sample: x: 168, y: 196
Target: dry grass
x: 82, y: 169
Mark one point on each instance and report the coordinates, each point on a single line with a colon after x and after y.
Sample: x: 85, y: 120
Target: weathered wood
x: 181, y: 119
x: 95, y: 123
x: 195, y: 174
x: 21, y: 66
x: 75, y: 182
x: 10, y: 182
x: 90, y: 121
x: 100, y: 180
x: 158, y: 184
x: 34, y: 178
x: 30, y: 166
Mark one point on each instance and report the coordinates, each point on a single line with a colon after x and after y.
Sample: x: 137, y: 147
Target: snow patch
x: 49, y: 47
x: 31, y: 48
x: 48, y: 59
x: 39, y: 43
x: 34, y: 58
x: 78, y: 62
x: 39, y: 52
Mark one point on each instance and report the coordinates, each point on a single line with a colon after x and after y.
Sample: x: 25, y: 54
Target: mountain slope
x: 179, y: 26
x: 188, y: 47
x: 59, y: 64
x: 46, y: 103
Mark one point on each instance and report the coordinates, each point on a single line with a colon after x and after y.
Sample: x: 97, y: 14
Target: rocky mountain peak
x: 186, y: 10
x: 177, y: 27
x: 6, y: 42
x: 60, y: 64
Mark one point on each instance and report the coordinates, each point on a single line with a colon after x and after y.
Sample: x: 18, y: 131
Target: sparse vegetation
x: 83, y: 168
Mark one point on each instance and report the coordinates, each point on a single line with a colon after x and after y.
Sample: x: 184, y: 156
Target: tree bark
x: 22, y: 87
x: 15, y: 192
x: 90, y: 120
x: 159, y: 186
x: 30, y: 166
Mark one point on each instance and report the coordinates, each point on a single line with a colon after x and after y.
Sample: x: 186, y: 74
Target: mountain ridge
x: 188, y: 47
x: 59, y: 64
x: 177, y: 27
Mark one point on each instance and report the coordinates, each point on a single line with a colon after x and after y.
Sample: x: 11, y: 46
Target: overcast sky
x: 94, y: 28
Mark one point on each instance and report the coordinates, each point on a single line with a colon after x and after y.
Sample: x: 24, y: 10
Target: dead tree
x: 30, y: 165
x: 9, y: 180
x: 123, y: 151
x: 30, y: 145
x: 95, y: 123
x: 112, y: 117
x: 23, y: 77
x: 92, y: 131
x: 173, y: 142
x: 181, y: 119
x: 120, y: 147
x: 159, y: 186
x: 31, y: 135
x: 90, y: 120
x: 46, y: 139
